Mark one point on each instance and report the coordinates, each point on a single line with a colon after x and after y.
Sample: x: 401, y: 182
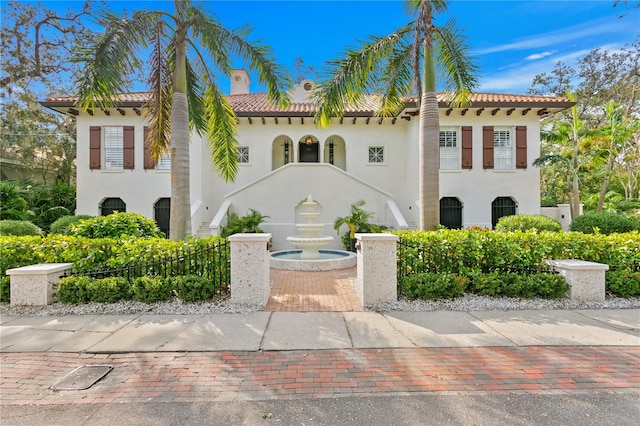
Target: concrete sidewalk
x: 273, y: 331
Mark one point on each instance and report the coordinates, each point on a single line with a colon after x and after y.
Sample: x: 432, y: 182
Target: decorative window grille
x: 502, y: 149
x: 243, y: 154
x: 449, y: 150
x: 113, y: 148
x: 376, y: 154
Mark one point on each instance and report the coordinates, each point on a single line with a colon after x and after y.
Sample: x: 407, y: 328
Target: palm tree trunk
x: 576, y: 184
x: 605, y: 184
x: 180, y: 216
x: 429, y: 147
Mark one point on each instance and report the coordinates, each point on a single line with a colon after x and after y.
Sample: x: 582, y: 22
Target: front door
x: 309, y: 152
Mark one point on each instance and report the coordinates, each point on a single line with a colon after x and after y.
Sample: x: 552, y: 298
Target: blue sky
x: 513, y: 40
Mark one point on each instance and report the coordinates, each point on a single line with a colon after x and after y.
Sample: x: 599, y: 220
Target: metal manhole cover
x: 82, y: 377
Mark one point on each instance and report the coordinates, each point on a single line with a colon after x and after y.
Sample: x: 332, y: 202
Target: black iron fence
x: 414, y: 258
x: 212, y: 262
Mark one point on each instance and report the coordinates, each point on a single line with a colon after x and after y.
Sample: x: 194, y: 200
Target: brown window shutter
x: 487, y: 147
x: 149, y: 164
x: 521, y: 147
x: 128, y: 146
x: 467, y: 147
x: 95, y: 134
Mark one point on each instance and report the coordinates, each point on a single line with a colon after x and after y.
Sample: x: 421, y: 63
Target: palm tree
x: 567, y: 136
x: 182, y: 82
x: 398, y: 65
x: 617, y: 132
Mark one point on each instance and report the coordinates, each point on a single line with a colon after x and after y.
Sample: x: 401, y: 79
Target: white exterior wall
x: 138, y: 188
x: 276, y: 194
x: 478, y: 187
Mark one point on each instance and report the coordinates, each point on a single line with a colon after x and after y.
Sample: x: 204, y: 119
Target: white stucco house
x: 486, y: 155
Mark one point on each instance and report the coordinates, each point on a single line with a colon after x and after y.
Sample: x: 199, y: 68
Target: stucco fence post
x: 33, y: 284
x: 250, y: 269
x: 586, y: 279
x: 376, y: 280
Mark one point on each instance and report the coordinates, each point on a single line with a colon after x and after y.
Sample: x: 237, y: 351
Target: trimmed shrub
x: 525, y: 222
x: 151, y: 289
x: 601, y: 223
x: 433, y: 286
x: 462, y: 251
x: 74, y: 289
x: 192, y: 288
x: 623, y: 283
x: 118, y: 225
x: 19, y: 228
x: 545, y: 285
x: 5, y: 289
x: 109, y: 290
x: 491, y: 284
x: 64, y: 224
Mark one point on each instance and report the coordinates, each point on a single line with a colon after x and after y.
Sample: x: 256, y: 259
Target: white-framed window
x: 243, y: 154
x: 113, y: 138
x: 164, y: 162
x: 449, y: 149
x: 503, y: 149
x: 376, y: 155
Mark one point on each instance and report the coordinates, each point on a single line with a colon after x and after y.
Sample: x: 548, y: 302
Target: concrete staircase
x: 203, y: 231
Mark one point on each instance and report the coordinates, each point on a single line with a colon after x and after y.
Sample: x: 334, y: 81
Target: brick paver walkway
x: 326, y: 291
x: 26, y: 378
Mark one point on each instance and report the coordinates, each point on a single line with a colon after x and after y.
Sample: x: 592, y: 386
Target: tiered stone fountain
x: 310, y: 257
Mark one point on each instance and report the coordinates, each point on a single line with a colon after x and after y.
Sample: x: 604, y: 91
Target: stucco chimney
x: 240, y: 82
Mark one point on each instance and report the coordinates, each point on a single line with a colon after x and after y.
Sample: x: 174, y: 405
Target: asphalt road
x: 601, y: 408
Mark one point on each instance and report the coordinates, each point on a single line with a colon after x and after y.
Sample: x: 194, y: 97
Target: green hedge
x: 466, y: 251
x: 602, y: 223
x: 526, y: 222
x: 91, y: 254
x: 19, y: 228
x: 118, y: 225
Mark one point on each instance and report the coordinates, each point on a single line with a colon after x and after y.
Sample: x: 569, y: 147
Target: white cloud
x: 557, y: 37
x: 537, y: 56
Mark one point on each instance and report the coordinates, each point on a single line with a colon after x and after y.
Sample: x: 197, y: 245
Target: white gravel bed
x: 469, y: 302
x: 473, y: 302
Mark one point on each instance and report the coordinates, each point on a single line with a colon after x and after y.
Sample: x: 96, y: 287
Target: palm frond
x: 158, y: 108
x: 458, y: 66
x: 108, y: 64
x: 352, y: 75
x: 222, y: 134
x: 397, y: 81
x: 195, y: 98
x: 215, y: 38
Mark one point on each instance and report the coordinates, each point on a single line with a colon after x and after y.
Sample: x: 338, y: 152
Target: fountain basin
x: 328, y: 260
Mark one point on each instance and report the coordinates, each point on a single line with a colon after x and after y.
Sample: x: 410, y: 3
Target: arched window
x: 502, y: 206
x: 162, y: 212
x: 451, y: 212
x: 110, y: 205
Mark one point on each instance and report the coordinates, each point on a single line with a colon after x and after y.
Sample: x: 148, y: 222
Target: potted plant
x: 357, y: 221
x: 249, y: 223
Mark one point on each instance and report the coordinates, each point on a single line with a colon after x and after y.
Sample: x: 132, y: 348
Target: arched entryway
x: 110, y: 205
x: 451, y: 212
x: 281, y: 151
x: 500, y: 207
x: 335, y: 152
x: 162, y: 214
x: 308, y: 150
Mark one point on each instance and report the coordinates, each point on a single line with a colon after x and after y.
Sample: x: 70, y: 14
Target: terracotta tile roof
x: 257, y: 104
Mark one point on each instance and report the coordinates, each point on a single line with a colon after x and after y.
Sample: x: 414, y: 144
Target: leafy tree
x: 566, y: 137
x: 38, y: 143
x: 600, y: 77
x: 618, y: 131
x: 35, y: 43
x: 398, y: 65
x: 182, y: 82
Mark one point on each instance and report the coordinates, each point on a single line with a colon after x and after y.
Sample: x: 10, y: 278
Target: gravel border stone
x: 175, y: 306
